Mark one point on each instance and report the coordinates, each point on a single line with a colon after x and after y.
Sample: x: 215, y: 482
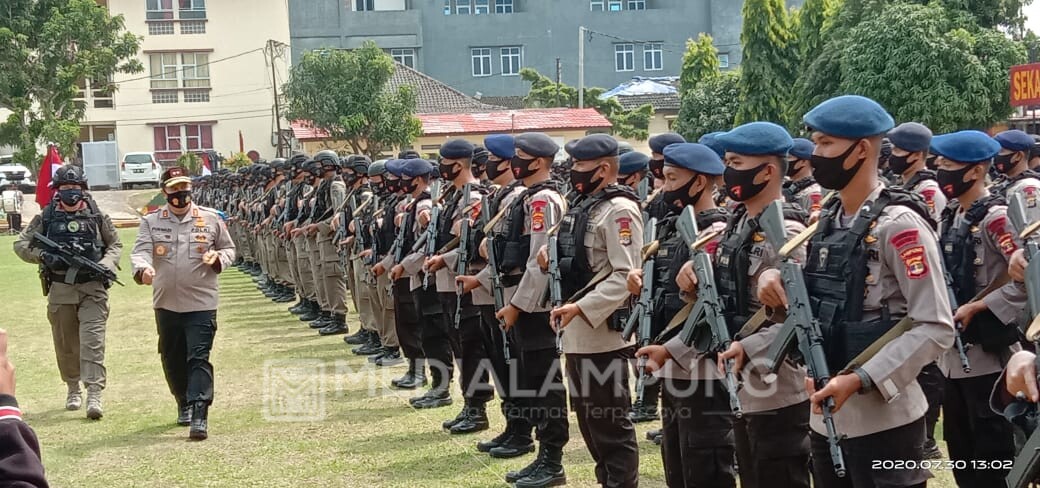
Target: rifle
x: 496, y: 279
x: 75, y: 260
x: 642, y: 312
x: 800, y: 327
x: 463, y: 261
x: 707, y: 320
x: 1026, y: 231
x: 555, y: 280
x: 431, y: 228
x: 1026, y: 467
x: 958, y: 341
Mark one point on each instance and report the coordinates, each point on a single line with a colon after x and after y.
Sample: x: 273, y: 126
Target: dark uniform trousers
x: 436, y: 338
x: 601, y: 399
x: 467, y: 344
x: 504, y: 372
x: 932, y: 383
x: 773, y: 448
x: 974, y: 432
x: 185, y: 340
x: 697, y: 443
x: 406, y: 320
x: 541, y: 394
x: 865, y: 457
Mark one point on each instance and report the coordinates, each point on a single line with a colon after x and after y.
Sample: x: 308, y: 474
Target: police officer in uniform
x: 77, y: 300
x: 180, y: 250
x: 977, y: 243
x: 380, y: 238
x: 873, y: 260
x: 540, y: 378
x: 1016, y: 177
x: 656, y: 207
x: 911, y: 143
x: 633, y: 168
x: 801, y: 188
x: 332, y: 193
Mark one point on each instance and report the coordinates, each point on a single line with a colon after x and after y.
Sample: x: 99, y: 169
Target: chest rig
x: 452, y: 201
x: 574, y: 260
x: 513, y: 248
x: 387, y: 231
x: 671, y: 256
x: 410, y: 237
x: 1002, y: 185
x: 918, y: 177
x: 836, y: 272
x: 793, y: 188
x: 79, y: 230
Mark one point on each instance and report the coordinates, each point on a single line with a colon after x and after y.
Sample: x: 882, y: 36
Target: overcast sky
x: 1033, y: 16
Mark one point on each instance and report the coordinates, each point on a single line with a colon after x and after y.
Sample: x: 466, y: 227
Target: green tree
x: 345, y: 94
x: 191, y: 162
x: 46, y: 48
x: 932, y: 65
x: 544, y: 92
x: 992, y: 13
x: 815, y: 19
x: 700, y: 63
x: 770, y: 53
x: 710, y: 106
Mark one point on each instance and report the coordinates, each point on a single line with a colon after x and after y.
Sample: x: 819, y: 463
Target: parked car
x: 139, y: 168
x: 9, y: 171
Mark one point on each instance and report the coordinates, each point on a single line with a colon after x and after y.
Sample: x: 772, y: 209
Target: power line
x: 194, y: 66
x: 240, y: 112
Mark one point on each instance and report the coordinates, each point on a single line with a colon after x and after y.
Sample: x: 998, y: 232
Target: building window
x: 164, y: 96
x: 481, y: 61
x: 481, y: 7
x: 404, y: 56
x: 503, y: 6
x: 195, y: 70
x: 652, y: 53
x: 160, y: 28
x: 363, y: 5
x: 724, y: 60
x: 164, y: 71
x: 159, y: 10
x: 596, y: 5
x: 193, y: 27
x: 192, y: 9
x: 510, y: 61
x: 624, y: 57
x: 462, y: 7
x: 192, y: 72
x: 637, y: 4
x: 447, y: 7
x: 173, y: 140
x: 196, y: 96
x: 614, y: 5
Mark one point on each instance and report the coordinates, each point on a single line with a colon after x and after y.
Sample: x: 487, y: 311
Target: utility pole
x: 581, y: 67
x: 275, y: 50
x: 559, y: 73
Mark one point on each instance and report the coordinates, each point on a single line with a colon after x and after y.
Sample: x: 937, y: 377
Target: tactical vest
x: 793, y: 188
x: 836, y: 272
x: 570, y: 242
x: 918, y: 177
x: 733, y: 262
x: 410, y: 237
x: 292, y: 206
x: 387, y: 231
x: 322, y: 200
x: 81, y: 232
x: 1000, y: 187
x: 447, y: 217
x: 657, y: 207
x: 513, y: 248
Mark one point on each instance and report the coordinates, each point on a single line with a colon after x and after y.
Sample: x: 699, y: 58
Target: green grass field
x: 367, y: 436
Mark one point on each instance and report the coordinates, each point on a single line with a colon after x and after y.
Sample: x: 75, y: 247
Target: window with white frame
x: 195, y: 70
x: 652, y: 56
x: 165, y: 96
x: 196, y: 96
x: 164, y: 70
x: 511, y: 60
x: 503, y: 6
x: 481, y: 7
x: 481, y: 61
x: 172, y: 140
x: 192, y: 9
x: 160, y: 28
x: 405, y: 56
x: 193, y: 27
x: 637, y: 4
x: 447, y: 7
x: 596, y: 5
x: 159, y: 9
x: 724, y: 60
x: 364, y: 5
x: 462, y: 7
x: 614, y: 5
x: 624, y: 57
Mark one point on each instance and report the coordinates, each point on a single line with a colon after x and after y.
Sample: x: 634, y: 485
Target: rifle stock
x: 496, y: 279
x: 555, y: 279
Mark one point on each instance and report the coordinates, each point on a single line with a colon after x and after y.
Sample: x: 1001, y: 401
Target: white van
x: 139, y: 168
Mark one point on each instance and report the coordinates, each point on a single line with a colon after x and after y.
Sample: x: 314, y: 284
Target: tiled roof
x: 434, y: 97
x: 490, y: 122
x: 660, y: 101
x: 513, y: 102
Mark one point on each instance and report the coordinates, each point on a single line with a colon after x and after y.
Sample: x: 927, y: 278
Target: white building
x: 207, y: 81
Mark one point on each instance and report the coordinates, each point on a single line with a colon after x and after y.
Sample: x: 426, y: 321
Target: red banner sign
x: 1025, y: 85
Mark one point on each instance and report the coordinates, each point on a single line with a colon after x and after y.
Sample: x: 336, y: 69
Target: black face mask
x: 899, y: 164
x: 494, y: 169
x: 1003, y: 163
x: 632, y: 181
x: 657, y: 168
x: 71, y: 197
x: 448, y: 172
x: 830, y: 173
x: 408, y: 186
x: 179, y: 199
x: 477, y: 170
x: 792, y: 167
x: 740, y: 184
x: 680, y: 198
x: 952, y: 182
x: 521, y: 167
x: 582, y: 181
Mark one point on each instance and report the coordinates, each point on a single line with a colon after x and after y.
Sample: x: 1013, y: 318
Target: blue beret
x: 695, y: 157
x: 966, y: 146
x: 501, y: 145
x: 757, y: 138
x: 591, y: 147
x: 377, y: 168
x: 393, y: 166
x: 911, y: 136
x: 536, y: 144
x: 416, y: 167
x: 457, y: 149
x: 661, y: 141
x: 849, y: 117
x: 632, y: 162
x: 1015, y: 140
x: 802, y: 148
x: 711, y: 140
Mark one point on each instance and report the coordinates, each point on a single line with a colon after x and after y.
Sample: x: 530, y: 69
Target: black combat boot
x: 435, y: 398
x: 337, y: 326
x: 358, y: 338
x: 643, y: 412
x: 514, y: 476
x: 548, y: 473
x: 373, y: 346
x: 199, y: 430
x: 476, y: 420
x: 498, y: 440
x: 448, y: 424
x: 409, y: 376
x: 299, y: 308
x: 391, y: 358
x: 312, y: 312
x: 286, y: 296
x: 183, y: 415
x: 415, y: 377
x: 324, y: 320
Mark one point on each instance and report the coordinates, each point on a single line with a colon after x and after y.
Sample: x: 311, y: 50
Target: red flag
x: 51, y: 163
x: 241, y: 143
x: 206, y: 168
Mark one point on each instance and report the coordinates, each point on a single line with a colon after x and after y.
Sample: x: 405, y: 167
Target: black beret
x: 457, y: 149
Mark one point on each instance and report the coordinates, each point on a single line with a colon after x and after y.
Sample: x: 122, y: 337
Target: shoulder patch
x: 929, y: 197
x: 998, y: 225
x: 624, y: 230
x: 1030, y: 196
x: 905, y: 238
x: 915, y: 261
x: 538, y: 215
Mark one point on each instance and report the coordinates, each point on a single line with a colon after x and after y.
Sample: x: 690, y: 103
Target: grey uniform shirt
x: 531, y: 289
x: 933, y: 196
x: 446, y: 275
x: 484, y: 276
x: 1029, y: 188
x: 173, y: 246
x: 413, y: 262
